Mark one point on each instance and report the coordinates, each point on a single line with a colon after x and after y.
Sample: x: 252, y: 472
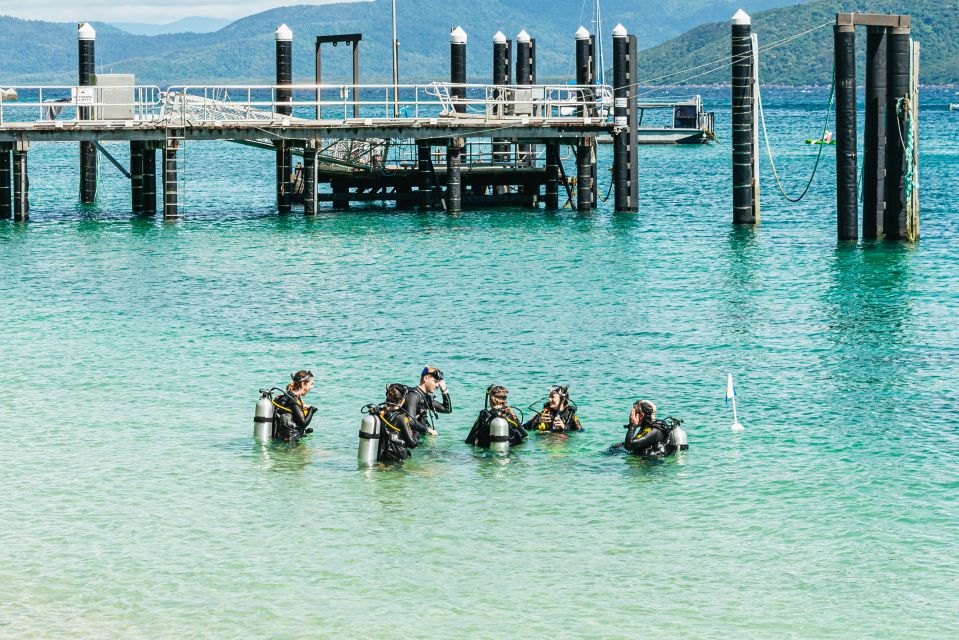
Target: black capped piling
x: 454, y: 182
x: 625, y: 152
x: 744, y: 211
x: 86, y: 44
x: 585, y: 168
x: 136, y: 175
x: 501, y: 76
x: 524, y: 77
x: 458, y: 68
x: 874, y: 136
x: 894, y: 224
x: 149, y: 154
x: 284, y: 96
x: 309, y: 178
x: 21, y: 183
x: 847, y: 200
x: 6, y: 180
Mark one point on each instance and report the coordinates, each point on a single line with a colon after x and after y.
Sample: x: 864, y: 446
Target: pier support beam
x: 458, y: 69
x: 149, y: 154
x: 284, y: 96
x: 341, y: 194
x: 21, y: 183
x: 744, y: 211
x: 86, y: 41
x: 170, y: 178
x: 894, y: 224
x: 625, y: 154
x: 136, y: 175
x: 309, y: 178
x: 584, y: 175
x: 874, y: 138
x: 501, y: 76
x: 552, y: 176
x: 847, y: 200
x: 454, y: 182
x: 6, y: 181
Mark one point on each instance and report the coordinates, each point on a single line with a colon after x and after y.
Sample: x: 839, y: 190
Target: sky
x: 151, y: 11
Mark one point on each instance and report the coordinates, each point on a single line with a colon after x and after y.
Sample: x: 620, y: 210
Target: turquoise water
x: 134, y: 503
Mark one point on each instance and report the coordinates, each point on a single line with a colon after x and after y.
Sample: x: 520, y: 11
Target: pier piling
x: 847, y: 197
x: 501, y: 76
x: 454, y: 183
x: 524, y: 77
x: 551, y: 200
x: 424, y: 170
x: 309, y: 178
x: 136, y: 175
x: 874, y: 137
x: 458, y: 68
x: 149, y: 171
x: 21, y: 183
x: 284, y: 95
x: 6, y: 180
x: 894, y: 224
x: 86, y: 44
x: 744, y: 211
x: 585, y: 167
x: 170, y: 178
x: 625, y: 152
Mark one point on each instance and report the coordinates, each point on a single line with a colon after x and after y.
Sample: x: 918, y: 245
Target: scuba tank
x: 369, y: 440
x: 498, y: 435
x: 678, y: 439
x: 263, y: 417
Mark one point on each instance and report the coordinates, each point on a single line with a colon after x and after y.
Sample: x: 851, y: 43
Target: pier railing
x: 196, y: 105
x: 60, y: 104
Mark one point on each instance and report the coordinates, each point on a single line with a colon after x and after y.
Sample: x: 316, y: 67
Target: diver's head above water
x: 558, y: 398
x: 395, y: 393
x: 643, y: 413
x: 497, y: 396
x: 431, y: 378
x: 302, y: 383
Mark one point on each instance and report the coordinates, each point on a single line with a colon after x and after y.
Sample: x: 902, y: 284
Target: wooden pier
x: 442, y: 144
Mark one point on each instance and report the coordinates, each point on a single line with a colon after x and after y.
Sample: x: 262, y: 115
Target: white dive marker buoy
x: 731, y: 395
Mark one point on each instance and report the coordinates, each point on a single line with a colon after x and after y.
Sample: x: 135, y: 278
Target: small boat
x: 819, y: 141
x: 8, y: 94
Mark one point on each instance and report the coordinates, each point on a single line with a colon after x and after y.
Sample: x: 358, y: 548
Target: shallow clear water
x: 134, y: 503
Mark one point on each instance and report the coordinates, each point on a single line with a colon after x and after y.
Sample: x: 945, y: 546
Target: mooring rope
x: 769, y: 152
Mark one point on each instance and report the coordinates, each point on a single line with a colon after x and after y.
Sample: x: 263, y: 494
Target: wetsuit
x: 418, y: 404
x: 291, y: 419
x: 647, y: 441
x: 543, y: 421
x: 480, y: 436
x: 396, y: 437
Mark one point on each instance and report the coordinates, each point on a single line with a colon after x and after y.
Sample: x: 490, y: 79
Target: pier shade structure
x: 455, y: 144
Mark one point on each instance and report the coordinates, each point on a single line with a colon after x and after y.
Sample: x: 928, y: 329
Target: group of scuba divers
x: 391, y: 429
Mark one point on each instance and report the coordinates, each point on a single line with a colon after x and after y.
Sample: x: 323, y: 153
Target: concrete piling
x: 847, y: 200
x: 874, y: 136
x: 585, y: 167
x: 21, y: 183
x: 6, y: 180
x: 458, y: 68
x: 283, y: 97
x: 625, y: 153
x: 454, y: 183
x: 86, y: 44
x: 897, y: 83
x: 742, y: 117
x: 136, y: 175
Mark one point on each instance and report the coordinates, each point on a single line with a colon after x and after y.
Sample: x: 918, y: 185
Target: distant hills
x: 809, y: 59
x: 242, y: 52
x: 192, y: 24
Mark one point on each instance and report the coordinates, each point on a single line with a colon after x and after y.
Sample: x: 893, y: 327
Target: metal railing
x: 61, y: 104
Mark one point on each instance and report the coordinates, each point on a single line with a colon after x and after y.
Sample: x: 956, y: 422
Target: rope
x: 608, y: 191
x: 904, y: 108
x: 769, y: 152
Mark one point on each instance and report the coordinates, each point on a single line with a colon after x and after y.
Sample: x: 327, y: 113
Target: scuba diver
x: 558, y: 414
x: 291, y: 418
x: 496, y: 406
x: 420, y: 405
x: 654, y: 437
x: 397, y: 438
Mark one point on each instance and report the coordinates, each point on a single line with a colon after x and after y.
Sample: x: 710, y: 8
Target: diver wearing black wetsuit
x: 397, y: 439
x: 645, y: 433
x: 496, y: 406
x: 420, y: 402
x: 558, y: 415
x: 291, y: 418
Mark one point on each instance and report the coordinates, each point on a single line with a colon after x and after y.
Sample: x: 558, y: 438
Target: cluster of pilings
x: 890, y: 201
x: 891, y: 76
